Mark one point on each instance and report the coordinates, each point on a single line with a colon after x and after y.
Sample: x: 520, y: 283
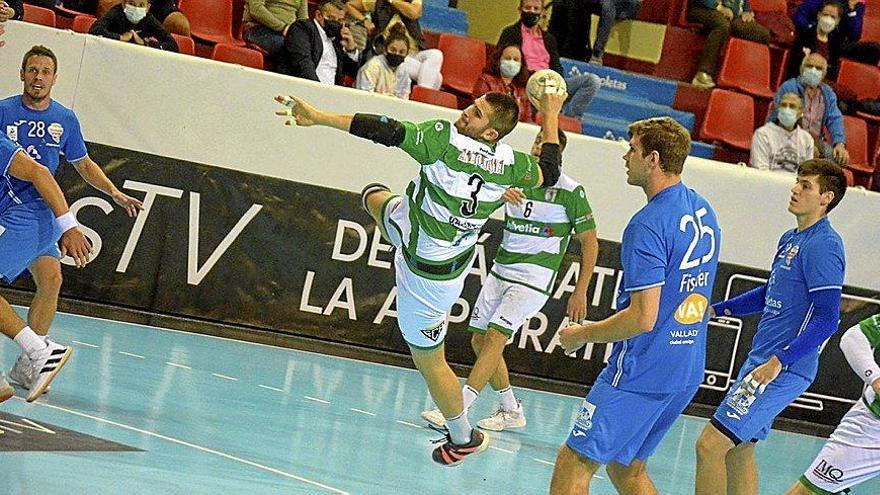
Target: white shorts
x: 851, y: 455
x: 422, y: 303
x: 504, y: 306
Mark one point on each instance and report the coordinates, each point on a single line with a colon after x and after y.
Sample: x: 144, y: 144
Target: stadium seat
x: 863, y: 80
x: 38, y: 15
x: 82, y: 23
x: 433, y: 97
x: 729, y: 119
x: 463, y: 61
x: 871, y: 29
x: 185, y: 43
x: 857, y: 144
x: 240, y: 55
x: 566, y: 123
x: 769, y: 5
x: 210, y: 20
x: 746, y: 68
x: 850, y: 178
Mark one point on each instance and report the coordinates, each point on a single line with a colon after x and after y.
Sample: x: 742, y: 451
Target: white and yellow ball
x: 545, y: 81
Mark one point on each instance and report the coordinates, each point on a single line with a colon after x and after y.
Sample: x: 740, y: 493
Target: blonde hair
x: 665, y: 136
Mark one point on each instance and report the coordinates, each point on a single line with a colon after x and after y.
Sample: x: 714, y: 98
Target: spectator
x: 720, y: 19
x: 165, y: 11
x: 781, y: 145
x: 506, y: 73
x: 132, y: 22
x: 610, y: 12
x: 11, y: 10
x: 316, y: 46
x: 833, y: 29
x: 423, y: 66
x: 383, y: 73
x: 821, y: 115
x: 571, y: 22
x: 265, y: 23
x: 540, y: 52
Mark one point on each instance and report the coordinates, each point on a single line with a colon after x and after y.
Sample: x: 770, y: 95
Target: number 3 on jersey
x: 469, y: 206
x: 699, y: 231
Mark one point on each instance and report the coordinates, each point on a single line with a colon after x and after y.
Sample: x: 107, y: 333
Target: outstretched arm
x: 379, y: 129
x: 92, y: 173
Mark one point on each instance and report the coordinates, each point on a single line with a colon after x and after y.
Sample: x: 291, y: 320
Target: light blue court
x: 214, y: 416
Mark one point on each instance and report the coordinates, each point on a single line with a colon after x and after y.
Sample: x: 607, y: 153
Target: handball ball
x: 544, y: 81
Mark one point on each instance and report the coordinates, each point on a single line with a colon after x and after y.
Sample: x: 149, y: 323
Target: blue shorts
x: 620, y: 426
x: 744, y: 419
x: 27, y: 232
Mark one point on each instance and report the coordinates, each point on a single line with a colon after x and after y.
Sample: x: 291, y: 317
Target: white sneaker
x: 435, y: 417
x: 45, y: 366
x: 20, y: 374
x: 6, y: 391
x: 502, y: 420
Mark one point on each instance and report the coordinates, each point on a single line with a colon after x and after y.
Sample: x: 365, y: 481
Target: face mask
x: 530, y: 19
x: 827, y: 23
x: 393, y: 60
x: 510, y: 68
x: 811, y: 76
x: 332, y: 28
x: 787, y: 117
x: 134, y: 14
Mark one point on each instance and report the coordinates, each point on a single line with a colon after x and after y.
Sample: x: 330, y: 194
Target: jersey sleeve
x: 8, y: 149
x: 525, y: 171
x: 824, y: 265
x: 74, y: 146
x: 580, y: 214
x: 871, y: 328
x: 426, y: 142
x: 642, y: 258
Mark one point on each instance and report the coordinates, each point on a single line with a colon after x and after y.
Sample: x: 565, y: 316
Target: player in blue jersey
x: 45, y: 129
x: 801, y: 309
x: 669, y: 254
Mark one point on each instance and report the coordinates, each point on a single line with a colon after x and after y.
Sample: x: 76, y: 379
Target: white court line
x: 368, y: 413
x: 409, y: 424
x: 322, y: 401
x: 194, y: 446
x: 230, y: 378
x: 542, y: 461
x: 84, y: 343
x: 7, y: 428
x: 131, y: 355
x: 169, y: 363
x: 271, y: 388
x: 501, y: 450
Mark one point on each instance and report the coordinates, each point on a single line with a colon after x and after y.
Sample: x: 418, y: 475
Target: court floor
x: 200, y: 415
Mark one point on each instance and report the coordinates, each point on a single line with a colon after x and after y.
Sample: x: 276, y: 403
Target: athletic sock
x: 469, y: 395
x: 29, y: 341
x: 459, y: 428
x: 508, y: 400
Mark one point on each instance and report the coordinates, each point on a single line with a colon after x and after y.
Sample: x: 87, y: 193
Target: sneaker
x: 6, y: 390
x: 20, y: 374
x: 596, y: 60
x: 370, y: 189
x: 502, y: 420
x: 703, y: 80
x: 450, y: 454
x: 435, y: 417
x: 46, y: 366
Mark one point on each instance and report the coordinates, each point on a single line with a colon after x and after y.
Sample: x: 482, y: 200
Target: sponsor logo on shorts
x: 578, y: 433
x: 741, y: 401
x: 732, y: 415
x: 584, y: 419
x: 828, y: 473
x: 505, y: 321
x: 433, y: 333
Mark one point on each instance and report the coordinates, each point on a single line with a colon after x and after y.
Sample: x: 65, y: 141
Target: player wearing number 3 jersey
x: 669, y: 255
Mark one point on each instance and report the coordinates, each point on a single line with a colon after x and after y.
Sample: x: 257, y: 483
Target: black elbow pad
x: 377, y: 128
x: 550, y: 163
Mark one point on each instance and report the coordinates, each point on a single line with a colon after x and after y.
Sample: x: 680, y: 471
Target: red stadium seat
x: 871, y: 29
x: 433, y: 97
x: 863, y: 80
x: 210, y: 20
x: 769, y: 5
x: 566, y: 123
x: 850, y: 179
x: 185, y: 43
x: 857, y: 145
x: 38, y: 15
x: 463, y: 61
x: 746, y: 68
x: 240, y: 55
x: 82, y: 23
x: 729, y: 119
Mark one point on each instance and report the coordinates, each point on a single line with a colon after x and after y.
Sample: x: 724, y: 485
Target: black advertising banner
x: 228, y: 247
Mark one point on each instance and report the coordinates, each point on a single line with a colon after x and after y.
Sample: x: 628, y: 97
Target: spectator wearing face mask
x: 383, y: 74
x: 821, y: 116
x: 132, y: 22
x: 165, y: 11
x: 782, y: 145
x: 832, y: 28
x: 322, y: 49
x: 506, y: 73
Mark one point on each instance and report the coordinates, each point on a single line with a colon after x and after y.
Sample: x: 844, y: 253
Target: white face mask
x: 827, y: 23
x: 787, y: 116
x: 510, y: 68
x: 134, y: 14
x: 811, y: 76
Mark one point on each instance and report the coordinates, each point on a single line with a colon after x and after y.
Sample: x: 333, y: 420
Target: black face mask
x: 394, y: 61
x: 332, y: 28
x: 530, y: 19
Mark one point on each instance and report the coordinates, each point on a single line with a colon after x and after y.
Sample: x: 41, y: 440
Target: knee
x: 709, y: 446
x: 50, y: 281
x: 620, y: 473
x: 477, y: 343
x: 177, y: 23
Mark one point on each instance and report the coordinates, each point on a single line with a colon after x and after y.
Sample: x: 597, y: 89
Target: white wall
x: 202, y: 111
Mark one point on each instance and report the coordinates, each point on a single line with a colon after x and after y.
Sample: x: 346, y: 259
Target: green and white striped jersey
x: 460, y: 184
x: 537, y: 232
x: 871, y: 328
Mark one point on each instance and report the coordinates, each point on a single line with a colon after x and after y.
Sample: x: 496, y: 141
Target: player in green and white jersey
x: 464, y: 171
x: 852, y: 454
x: 538, y: 225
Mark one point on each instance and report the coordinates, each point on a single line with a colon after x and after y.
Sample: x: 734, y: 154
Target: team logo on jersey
x: 692, y: 309
x: 12, y: 132
x: 791, y: 254
x: 550, y: 195
x: 56, y: 130
x: 828, y: 473
x: 584, y: 418
x: 434, y: 332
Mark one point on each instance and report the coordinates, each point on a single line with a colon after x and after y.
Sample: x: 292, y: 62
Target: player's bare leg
x: 712, y: 448
x: 798, y: 488
x: 47, y: 277
x: 501, y: 378
x: 488, y: 358
x: 572, y: 473
x: 742, y: 470
x: 632, y: 479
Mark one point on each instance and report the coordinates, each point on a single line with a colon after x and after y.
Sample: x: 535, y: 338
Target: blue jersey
x: 8, y: 149
x: 44, y: 135
x: 672, y: 242
x: 805, y: 262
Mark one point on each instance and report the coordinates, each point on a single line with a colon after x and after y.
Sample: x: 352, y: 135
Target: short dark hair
x: 39, y: 51
x: 505, y: 112
x: 835, y: 4
x: 829, y: 175
x: 665, y: 136
x: 339, y: 4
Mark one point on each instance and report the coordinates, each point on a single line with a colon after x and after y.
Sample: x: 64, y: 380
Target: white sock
x: 29, y: 341
x: 508, y: 401
x: 459, y: 428
x: 469, y: 395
